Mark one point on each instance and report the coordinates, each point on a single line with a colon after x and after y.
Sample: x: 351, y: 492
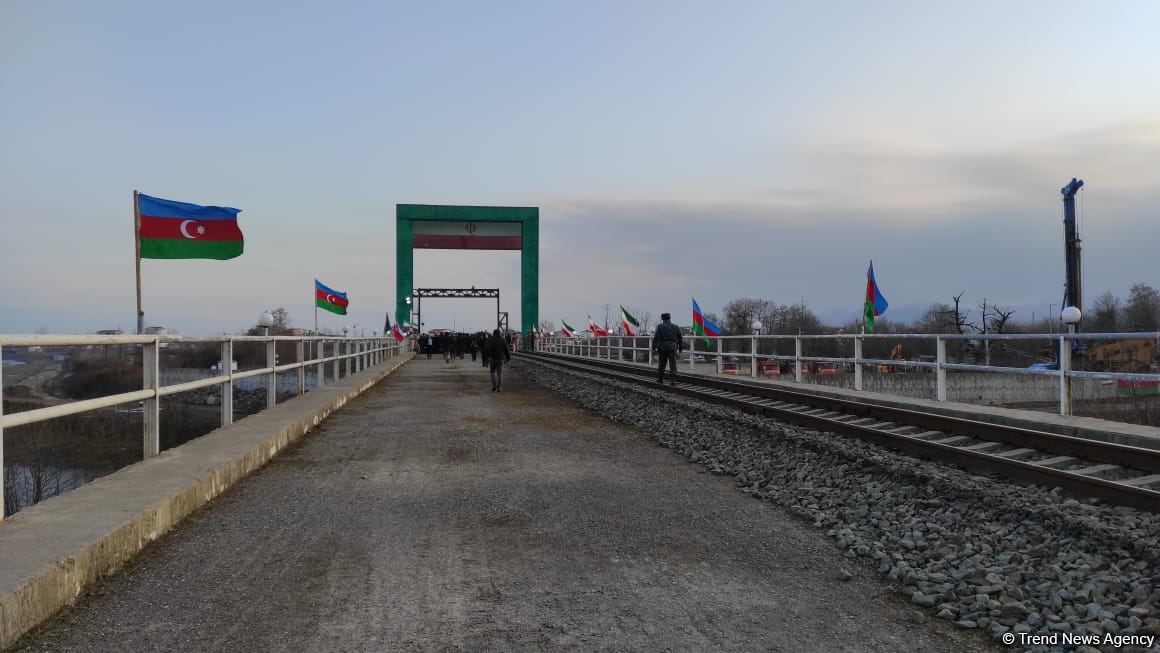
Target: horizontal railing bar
x: 188, y: 386
x: 72, y: 408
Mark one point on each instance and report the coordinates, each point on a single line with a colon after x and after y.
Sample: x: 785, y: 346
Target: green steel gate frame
x: 527, y: 216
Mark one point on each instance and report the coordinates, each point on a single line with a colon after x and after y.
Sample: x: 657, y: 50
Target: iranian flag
x: 631, y: 324
x: 170, y: 229
x: 329, y: 299
x: 596, y: 331
x: 567, y: 330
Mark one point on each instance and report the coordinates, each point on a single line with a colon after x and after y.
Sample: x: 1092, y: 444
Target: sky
x: 674, y: 149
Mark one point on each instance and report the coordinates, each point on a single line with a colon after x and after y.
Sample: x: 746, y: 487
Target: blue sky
x: 674, y: 149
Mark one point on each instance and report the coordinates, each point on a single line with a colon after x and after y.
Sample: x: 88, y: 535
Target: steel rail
x: 831, y: 414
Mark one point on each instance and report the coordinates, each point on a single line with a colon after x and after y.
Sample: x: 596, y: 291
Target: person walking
x: 430, y: 345
x: 667, y: 343
x: 445, y: 345
x: 498, y: 353
x: 483, y: 346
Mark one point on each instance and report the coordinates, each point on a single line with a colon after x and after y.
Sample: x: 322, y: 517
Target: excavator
x: 895, y: 355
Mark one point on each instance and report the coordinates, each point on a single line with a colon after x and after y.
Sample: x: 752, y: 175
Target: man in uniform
x: 667, y: 343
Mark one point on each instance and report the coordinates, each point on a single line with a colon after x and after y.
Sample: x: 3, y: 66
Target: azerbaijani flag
x: 169, y: 229
x: 875, y: 304
x: 596, y: 331
x: 631, y: 324
x: 703, y: 326
x: 329, y: 299
x: 567, y: 330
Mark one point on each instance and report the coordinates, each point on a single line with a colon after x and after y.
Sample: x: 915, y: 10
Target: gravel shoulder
x: 431, y: 514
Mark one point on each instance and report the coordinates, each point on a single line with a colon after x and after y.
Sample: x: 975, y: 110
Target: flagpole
x: 137, y: 249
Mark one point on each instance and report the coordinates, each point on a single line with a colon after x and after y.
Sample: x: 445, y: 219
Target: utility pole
x: 1073, y: 293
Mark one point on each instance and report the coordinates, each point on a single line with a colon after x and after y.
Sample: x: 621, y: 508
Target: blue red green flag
x: 875, y: 304
x: 703, y: 327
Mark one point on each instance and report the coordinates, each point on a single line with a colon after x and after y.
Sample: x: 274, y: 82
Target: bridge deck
x: 432, y: 514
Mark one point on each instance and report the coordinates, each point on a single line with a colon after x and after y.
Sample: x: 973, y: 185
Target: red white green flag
x: 567, y: 330
x: 596, y: 331
x: 631, y: 324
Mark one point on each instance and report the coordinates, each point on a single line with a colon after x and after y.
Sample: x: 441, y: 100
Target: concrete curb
x: 51, y: 552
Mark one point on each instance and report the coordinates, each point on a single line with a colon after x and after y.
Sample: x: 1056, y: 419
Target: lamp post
x: 1070, y: 316
x: 266, y: 320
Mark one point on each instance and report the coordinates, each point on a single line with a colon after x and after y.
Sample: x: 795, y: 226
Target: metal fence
x: 726, y: 350
x: 346, y: 355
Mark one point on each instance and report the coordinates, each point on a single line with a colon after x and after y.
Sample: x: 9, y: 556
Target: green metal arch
x: 527, y: 216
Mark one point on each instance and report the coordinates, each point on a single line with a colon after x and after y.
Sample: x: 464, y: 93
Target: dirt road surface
x: 432, y: 514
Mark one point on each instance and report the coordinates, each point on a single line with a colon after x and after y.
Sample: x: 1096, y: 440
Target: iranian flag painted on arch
x: 438, y: 234
x: 171, y: 229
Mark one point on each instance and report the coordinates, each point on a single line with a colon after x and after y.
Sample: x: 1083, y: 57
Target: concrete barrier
x: 51, y: 552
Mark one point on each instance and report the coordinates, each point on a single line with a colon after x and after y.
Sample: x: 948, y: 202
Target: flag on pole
x: 329, y: 299
x: 387, y: 324
x: 631, y: 324
x: 170, y: 229
x: 596, y: 331
x: 703, y: 327
x: 567, y: 330
x: 875, y: 304
x: 398, y: 333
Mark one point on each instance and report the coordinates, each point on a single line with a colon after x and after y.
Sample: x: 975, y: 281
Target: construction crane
x: 1073, y: 286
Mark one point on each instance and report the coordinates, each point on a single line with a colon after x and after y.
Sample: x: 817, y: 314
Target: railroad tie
x: 862, y: 422
x: 1142, y: 481
x: 954, y: 439
x: 1095, y: 469
x: 1015, y: 453
x: 984, y: 446
x: 1053, y: 462
x: 926, y: 434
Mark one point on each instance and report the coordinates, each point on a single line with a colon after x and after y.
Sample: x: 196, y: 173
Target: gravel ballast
x: 1031, y: 567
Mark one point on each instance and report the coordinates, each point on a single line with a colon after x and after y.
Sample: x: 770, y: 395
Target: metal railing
x: 347, y: 355
x: 607, y: 347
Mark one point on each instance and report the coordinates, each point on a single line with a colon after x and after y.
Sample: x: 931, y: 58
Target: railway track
x: 1116, y: 473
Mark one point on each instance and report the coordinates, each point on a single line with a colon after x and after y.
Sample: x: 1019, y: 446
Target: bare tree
x: 607, y: 314
x: 548, y: 325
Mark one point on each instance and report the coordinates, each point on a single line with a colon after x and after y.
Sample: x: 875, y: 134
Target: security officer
x: 667, y: 342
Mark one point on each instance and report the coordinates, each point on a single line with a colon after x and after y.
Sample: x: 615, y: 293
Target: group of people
x: 495, y: 349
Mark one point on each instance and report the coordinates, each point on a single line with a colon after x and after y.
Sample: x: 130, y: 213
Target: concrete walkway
x: 432, y: 514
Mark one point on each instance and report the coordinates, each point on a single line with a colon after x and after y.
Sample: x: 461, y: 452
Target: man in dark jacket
x: 667, y: 342
x: 498, y: 353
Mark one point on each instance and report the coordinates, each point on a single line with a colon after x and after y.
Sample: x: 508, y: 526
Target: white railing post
x: 940, y: 346
x: 301, y: 354
x: 797, y: 360
x: 650, y: 353
x: 320, y: 368
x: 857, y: 362
x: 227, y: 366
x: 272, y: 377
x: 753, y: 357
x: 151, y: 377
x: 1064, y: 379
x: 720, y: 358
x: 1, y: 433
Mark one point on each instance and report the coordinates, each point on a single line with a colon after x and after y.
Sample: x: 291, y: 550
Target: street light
x: 345, y: 331
x: 756, y: 327
x: 266, y: 320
